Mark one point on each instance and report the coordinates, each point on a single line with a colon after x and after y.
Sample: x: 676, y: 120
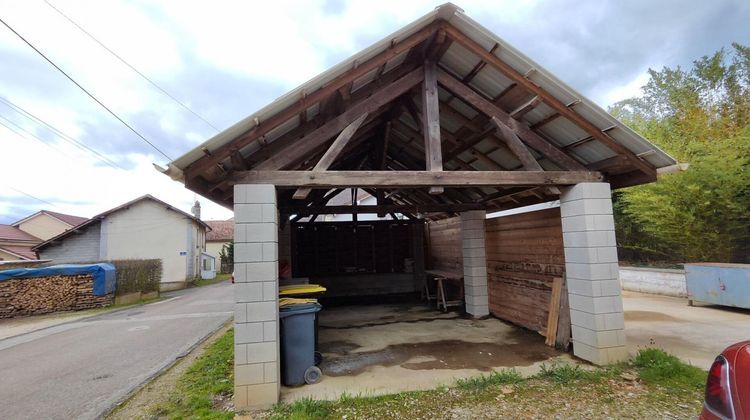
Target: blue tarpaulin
x: 103, y: 273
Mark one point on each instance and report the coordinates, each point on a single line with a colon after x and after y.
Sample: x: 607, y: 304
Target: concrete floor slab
x: 380, y: 349
x: 696, y: 334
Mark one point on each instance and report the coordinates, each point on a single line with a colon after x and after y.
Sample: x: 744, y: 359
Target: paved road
x: 79, y: 370
x: 696, y: 334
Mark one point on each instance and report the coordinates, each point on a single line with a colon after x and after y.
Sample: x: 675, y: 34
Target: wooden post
x: 431, y: 122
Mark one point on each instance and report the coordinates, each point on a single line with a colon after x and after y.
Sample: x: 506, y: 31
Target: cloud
x: 226, y: 59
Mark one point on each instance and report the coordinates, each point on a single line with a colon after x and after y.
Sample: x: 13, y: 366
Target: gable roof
x: 473, y: 56
x: 98, y: 218
x: 22, y: 252
x: 12, y: 233
x: 68, y: 219
x: 221, y: 230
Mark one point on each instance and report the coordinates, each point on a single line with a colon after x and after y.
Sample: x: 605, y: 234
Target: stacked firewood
x: 40, y: 295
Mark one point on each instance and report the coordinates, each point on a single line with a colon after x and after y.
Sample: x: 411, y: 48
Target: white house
x: 46, y: 224
x: 144, y: 228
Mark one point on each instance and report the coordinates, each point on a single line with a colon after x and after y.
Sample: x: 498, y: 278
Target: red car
x: 728, y: 385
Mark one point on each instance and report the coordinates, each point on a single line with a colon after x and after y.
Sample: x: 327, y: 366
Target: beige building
x: 46, y: 224
x: 221, y: 234
x: 145, y: 228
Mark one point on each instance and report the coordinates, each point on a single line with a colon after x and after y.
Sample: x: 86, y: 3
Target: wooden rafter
x: 333, y: 152
x: 414, y: 179
x: 198, y: 167
x: 483, y: 105
x: 326, y: 131
x: 550, y: 100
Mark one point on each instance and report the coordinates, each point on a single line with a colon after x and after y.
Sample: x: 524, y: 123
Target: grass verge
x: 218, y: 279
x: 205, y: 390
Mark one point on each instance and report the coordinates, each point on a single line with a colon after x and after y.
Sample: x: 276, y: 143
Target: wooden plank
x: 562, y: 341
x: 199, y: 166
x: 431, y: 122
x: 554, y: 312
x: 459, y: 37
x: 526, y: 107
x: 413, y: 179
x: 483, y: 105
x: 312, y: 140
x: 516, y: 146
x: 333, y: 152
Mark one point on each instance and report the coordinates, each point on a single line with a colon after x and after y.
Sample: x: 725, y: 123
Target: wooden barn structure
x: 441, y: 122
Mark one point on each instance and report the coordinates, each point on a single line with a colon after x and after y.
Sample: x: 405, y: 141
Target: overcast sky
x: 226, y: 59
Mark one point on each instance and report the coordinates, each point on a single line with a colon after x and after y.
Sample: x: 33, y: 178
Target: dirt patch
x: 521, y: 348
x: 649, y: 316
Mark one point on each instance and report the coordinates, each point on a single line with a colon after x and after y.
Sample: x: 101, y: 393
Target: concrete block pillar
x: 475, y: 263
x: 591, y: 267
x: 256, y: 313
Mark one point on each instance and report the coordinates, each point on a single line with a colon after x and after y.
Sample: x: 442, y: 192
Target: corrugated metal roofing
x: 461, y: 62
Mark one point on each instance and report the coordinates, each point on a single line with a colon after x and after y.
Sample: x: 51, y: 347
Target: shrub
x: 137, y: 275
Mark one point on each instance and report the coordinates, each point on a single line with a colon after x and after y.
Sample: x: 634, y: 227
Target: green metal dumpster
x: 297, y: 332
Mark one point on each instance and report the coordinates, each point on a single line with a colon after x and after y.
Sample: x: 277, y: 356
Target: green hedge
x: 137, y: 275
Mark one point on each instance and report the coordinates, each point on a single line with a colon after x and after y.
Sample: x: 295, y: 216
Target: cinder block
x: 589, y: 239
x: 588, y: 206
x: 476, y: 300
x: 240, y: 395
x: 262, y: 311
x: 270, y: 372
x: 476, y: 281
x: 586, y: 190
x: 477, y: 224
x: 262, y: 271
x: 248, y: 374
x: 248, y: 332
x: 260, y: 232
x: 269, y: 213
x: 480, y: 271
x: 240, y: 312
x: 610, y: 287
x: 472, y: 234
x: 239, y: 232
x: 473, y: 243
x: 614, y: 321
x: 270, y: 331
x: 248, y: 292
x: 475, y: 262
x: 473, y: 215
x: 475, y: 290
x: 593, y: 255
x: 270, y: 251
x: 262, y: 352
x: 248, y: 213
x: 240, y: 354
x: 598, y: 339
x: 257, y: 193
x: 262, y: 396
x: 601, y: 271
x: 608, y: 254
x: 270, y: 290
x: 248, y: 252
x: 474, y: 253
x: 584, y: 287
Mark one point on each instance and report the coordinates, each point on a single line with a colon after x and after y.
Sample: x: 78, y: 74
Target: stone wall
x: 41, y: 295
x: 654, y: 280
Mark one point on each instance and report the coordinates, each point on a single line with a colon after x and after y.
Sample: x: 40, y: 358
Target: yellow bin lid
x: 300, y: 289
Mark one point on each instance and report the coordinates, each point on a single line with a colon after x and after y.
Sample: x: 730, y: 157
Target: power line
x: 31, y: 196
x: 34, y: 137
x: 85, y: 91
x: 146, y: 78
x: 81, y: 145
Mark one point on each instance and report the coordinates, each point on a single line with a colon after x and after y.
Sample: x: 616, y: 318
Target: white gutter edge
x: 678, y: 167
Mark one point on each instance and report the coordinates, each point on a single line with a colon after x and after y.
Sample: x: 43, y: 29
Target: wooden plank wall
x: 524, y: 254
x: 444, y: 244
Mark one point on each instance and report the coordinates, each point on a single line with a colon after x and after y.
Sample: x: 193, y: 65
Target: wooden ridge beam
x: 384, y: 208
x: 488, y: 108
x: 471, y: 45
x: 316, y: 138
x: 413, y: 179
x: 292, y: 111
x: 333, y: 152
